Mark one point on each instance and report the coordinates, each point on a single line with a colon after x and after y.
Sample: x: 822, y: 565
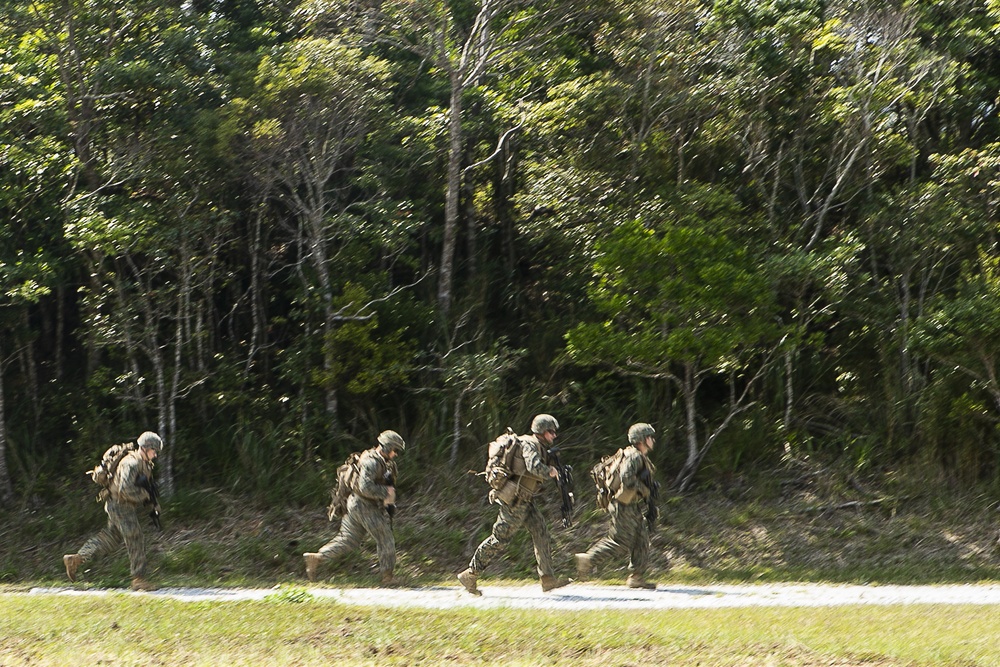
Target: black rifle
x: 652, y: 513
x: 144, y: 482
x: 390, y: 480
x: 564, y: 478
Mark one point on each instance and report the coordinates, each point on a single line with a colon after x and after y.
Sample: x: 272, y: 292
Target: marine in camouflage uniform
x: 368, y: 510
x: 124, y: 498
x: 629, y: 531
x: 517, y: 509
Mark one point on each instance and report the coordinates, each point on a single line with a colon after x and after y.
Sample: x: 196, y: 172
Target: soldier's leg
x: 107, y: 541
x: 347, y: 539
x: 540, y: 539
x: 508, y: 521
x: 127, y: 522
x: 620, y: 534
x: 640, y: 546
x: 376, y: 522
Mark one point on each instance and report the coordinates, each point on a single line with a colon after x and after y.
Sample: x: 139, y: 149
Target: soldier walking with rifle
x: 515, y: 500
x: 129, y: 487
x: 631, y: 503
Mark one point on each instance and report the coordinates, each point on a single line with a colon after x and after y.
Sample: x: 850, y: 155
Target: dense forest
x: 269, y: 229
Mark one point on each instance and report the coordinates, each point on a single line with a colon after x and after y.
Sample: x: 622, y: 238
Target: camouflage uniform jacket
x: 372, y: 484
x: 632, y: 465
x: 124, y: 489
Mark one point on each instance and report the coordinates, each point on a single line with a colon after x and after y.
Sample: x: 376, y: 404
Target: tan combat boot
x: 468, y: 579
x: 312, y: 562
x: 583, y: 565
x: 142, y: 584
x: 387, y: 580
x: 72, y: 563
x: 636, y: 581
x: 549, y: 583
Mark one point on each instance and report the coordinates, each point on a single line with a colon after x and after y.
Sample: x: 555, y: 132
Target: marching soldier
x: 368, y: 507
x: 629, y: 532
x: 517, y: 508
x: 130, y: 488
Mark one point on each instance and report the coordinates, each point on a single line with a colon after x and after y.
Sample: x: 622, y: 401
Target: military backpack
x: 501, y: 454
x: 348, y: 474
x: 103, y: 473
x: 607, y: 477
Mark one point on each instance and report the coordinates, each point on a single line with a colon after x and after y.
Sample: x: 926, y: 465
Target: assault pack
x: 500, y: 459
x: 607, y: 478
x: 347, y: 481
x: 103, y: 473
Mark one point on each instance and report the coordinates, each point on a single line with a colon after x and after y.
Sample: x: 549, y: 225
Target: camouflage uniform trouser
x: 364, y: 516
x: 123, y: 525
x: 629, y: 534
x: 507, y: 524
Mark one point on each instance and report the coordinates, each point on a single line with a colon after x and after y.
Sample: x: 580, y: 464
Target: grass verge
x: 794, y: 524
x: 300, y: 630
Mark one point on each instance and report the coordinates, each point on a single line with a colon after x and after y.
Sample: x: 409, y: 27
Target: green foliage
x: 225, y: 219
x: 366, y: 360
x: 676, y: 290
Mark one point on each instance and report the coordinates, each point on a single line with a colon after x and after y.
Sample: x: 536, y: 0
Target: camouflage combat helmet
x: 150, y: 440
x: 391, y: 440
x: 639, y: 432
x: 543, y: 423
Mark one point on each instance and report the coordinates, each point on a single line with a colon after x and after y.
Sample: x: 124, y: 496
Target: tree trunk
x: 316, y: 242
x: 689, y: 387
x: 471, y: 221
x: 6, y: 488
x: 786, y: 420
x: 60, y: 331
x: 257, y: 283
x: 454, y: 184
x: 30, y: 367
x: 166, y: 476
x: 456, y: 429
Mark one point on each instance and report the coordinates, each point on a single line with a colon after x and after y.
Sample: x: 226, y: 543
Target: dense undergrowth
x: 800, y: 522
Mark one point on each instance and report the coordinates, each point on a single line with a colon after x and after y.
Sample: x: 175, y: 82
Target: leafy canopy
x: 679, y: 288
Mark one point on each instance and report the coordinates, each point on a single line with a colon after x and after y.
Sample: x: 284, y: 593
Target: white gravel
x: 578, y: 597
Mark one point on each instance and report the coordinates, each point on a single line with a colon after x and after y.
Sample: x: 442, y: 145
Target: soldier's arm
x: 126, y: 478
x: 370, y: 480
x: 630, y: 469
x: 531, y: 451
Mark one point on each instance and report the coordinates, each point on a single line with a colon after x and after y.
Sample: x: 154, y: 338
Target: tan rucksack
x: 607, y: 477
x: 500, y: 457
x: 348, y: 474
x: 103, y: 473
